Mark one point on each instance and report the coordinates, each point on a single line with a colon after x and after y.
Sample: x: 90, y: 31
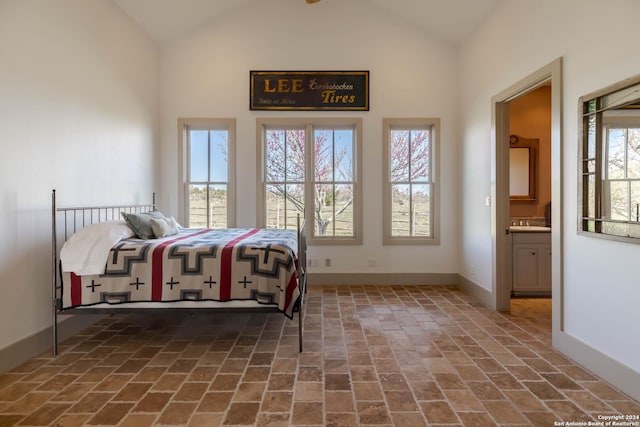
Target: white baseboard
x: 383, y: 279
x: 623, y: 377
x: 36, y: 344
x: 620, y: 376
x: 477, y: 291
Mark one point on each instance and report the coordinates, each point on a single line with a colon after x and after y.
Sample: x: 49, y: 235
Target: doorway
x: 501, y: 210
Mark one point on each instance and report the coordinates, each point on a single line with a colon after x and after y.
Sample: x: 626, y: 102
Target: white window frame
x: 608, y: 124
x: 309, y: 124
x: 388, y: 125
x: 184, y: 126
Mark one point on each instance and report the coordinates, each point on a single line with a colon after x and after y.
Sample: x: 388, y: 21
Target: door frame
x: 500, y: 216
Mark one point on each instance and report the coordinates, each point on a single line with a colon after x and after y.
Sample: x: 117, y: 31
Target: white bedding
x: 86, y: 252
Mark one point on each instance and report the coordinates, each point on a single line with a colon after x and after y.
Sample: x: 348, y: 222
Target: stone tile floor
x: 374, y: 355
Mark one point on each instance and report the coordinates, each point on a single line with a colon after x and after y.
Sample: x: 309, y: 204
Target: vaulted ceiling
x: 450, y: 20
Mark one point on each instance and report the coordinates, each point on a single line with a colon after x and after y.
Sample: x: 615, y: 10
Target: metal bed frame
x: 75, y: 218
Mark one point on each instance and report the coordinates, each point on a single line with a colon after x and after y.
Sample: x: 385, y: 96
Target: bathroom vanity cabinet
x: 531, y: 263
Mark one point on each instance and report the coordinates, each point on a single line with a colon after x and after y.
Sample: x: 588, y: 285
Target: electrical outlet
x: 327, y: 262
x: 372, y: 262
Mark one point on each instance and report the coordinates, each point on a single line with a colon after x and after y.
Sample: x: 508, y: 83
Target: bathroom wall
x: 530, y: 117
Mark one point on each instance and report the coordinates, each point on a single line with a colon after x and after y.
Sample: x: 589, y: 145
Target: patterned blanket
x: 197, y: 264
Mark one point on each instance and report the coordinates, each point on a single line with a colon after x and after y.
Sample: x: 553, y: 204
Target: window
x: 622, y: 179
x: 610, y: 162
x: 311, y: 167
x: 410, y: 192
x: 207, y: 171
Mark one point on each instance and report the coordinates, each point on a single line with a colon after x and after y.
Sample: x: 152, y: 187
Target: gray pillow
x: 140, y: 223
x: 164, y: 227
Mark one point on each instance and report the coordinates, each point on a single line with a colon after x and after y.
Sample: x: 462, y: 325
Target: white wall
x: 206, y: 74
x: 597, y: 43
x: 78, y: 112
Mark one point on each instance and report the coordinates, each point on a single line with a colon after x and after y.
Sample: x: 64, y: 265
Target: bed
x: 132, y: 259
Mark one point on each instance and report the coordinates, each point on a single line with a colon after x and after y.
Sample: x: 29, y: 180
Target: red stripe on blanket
x: 76, y: 290
x: 157, y: 261
x: 293, y: 283
x: 225, y: 265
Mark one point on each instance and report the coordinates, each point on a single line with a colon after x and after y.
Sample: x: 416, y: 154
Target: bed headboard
x: 74, y: 218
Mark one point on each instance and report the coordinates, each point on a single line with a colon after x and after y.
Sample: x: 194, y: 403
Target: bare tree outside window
x: 410, y: 184
x: 285, y: 176
x: 410, y: 196
x: 332, y: 182
x: 623, y: 173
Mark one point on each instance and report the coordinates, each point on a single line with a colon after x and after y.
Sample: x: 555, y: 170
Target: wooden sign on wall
x: 309, y: 90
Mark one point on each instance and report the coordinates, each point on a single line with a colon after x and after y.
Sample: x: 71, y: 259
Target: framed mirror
x: 609, y: 152
x: 523, y: 165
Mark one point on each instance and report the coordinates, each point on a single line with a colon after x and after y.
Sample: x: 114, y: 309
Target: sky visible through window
x: 216, y: 169
x: 339, y: 157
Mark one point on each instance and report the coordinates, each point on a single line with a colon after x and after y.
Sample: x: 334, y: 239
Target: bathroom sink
x: 530, y: 229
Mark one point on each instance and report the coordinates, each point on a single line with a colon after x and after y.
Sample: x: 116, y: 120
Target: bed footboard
x: 302, y: 276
